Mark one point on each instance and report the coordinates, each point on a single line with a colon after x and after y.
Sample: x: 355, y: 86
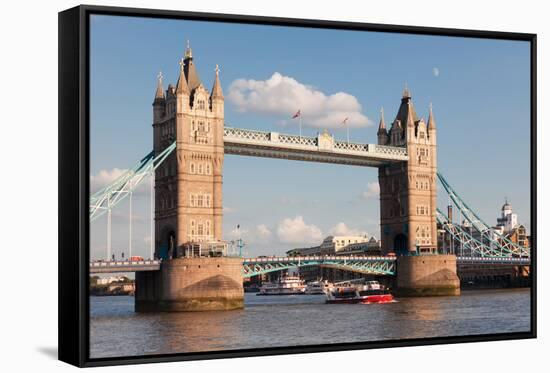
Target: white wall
x: 28, y: 187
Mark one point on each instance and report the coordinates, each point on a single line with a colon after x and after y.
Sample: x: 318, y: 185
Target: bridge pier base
x: 191, y: 284
x: 427, y: 275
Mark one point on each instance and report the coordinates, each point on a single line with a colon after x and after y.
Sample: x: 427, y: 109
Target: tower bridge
x: 190, y: 139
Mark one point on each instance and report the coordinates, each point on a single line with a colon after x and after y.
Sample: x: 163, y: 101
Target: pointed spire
x: 431, y: 119
x: 406, y: 113
x: 217, y: 88
x: 406, y: 91
x: 181, y: 87
x: 382, y: 125
x: 188, y: 51
x: 159, y: 94
x: 193, y: 80
x: 410, y: 119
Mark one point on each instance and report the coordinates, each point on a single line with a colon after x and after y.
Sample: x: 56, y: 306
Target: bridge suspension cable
x: 108, y: 197
x: 492, y: 241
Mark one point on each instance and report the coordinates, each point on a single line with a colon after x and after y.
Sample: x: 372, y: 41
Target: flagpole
x: 347, y: 127
x: 300, y: 124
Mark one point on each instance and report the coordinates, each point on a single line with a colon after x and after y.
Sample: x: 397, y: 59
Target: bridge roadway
x: 375, y: 265
x: 322, y: 148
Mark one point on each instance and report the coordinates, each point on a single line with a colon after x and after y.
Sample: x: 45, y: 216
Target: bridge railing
x: 318, y: 258
x: 275, y: 139
x: 123, y: 263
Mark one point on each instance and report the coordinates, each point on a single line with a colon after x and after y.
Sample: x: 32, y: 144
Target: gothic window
x: 192, y: 200
x: 200, y: 200
x: 208, y: 127
x: 201, y: 126
x: 200, y: 230
x: 192, y: 227
x: 208, y: 168
x: 208, y: 227
x: 201, y: 104
x: 192, y: 167
x: 200, y: 168
x: 417, y: 185
x: 208, y: 200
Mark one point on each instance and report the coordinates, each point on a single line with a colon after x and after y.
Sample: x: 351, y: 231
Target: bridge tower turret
x: 382, y: 132
x: 159, y: 101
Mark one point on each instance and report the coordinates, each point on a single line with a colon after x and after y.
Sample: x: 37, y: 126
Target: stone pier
x: 191, y: 284
x: 427, y: 275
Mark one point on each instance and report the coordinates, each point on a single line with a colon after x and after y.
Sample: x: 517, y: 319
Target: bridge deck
x: 367, y: 264
x: 323, y: 148
x: 124, y: 266
x: 460, y: 260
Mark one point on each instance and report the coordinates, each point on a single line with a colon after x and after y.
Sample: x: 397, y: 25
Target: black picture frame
x: 74, y: 182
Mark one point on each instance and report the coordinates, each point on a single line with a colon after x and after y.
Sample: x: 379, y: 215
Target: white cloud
x: 373, y: 190
x: 238, y: 233
x: 259, y: 233
x: 263, y: 232
x: 297, y: 231
x: 283, y: 96
x: 435, y: 71
x: 105, y: 177
x: 341, y: 229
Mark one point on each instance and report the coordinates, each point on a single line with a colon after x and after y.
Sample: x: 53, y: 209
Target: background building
x: 341, y: 245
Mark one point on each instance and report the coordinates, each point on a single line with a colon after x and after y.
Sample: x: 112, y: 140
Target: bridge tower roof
x: 193, y: 80
x: 159, y: 93
x: 406, y: 110
x: 217, y: 88
x: 181, y: 86
x: 382, y: 125
x: 431, y: 119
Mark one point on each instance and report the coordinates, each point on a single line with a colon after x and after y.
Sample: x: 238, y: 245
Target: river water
x: 116, y: 330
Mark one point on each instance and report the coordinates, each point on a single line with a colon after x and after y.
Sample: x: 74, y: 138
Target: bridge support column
x: 427, y: 275
x: 191, y: 284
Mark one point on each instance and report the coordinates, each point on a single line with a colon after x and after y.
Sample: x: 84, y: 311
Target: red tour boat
x: 370, y: 292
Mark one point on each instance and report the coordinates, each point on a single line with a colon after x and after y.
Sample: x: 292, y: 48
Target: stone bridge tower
x: 194, y: 274
x: 408, y: 190
x: 188, y: 185
x: 408, y: 202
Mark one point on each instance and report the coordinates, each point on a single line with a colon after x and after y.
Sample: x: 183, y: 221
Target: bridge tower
x: 408, y: 202
x: 194, y: 275
x: 188, y: 206
x: 408, y: 189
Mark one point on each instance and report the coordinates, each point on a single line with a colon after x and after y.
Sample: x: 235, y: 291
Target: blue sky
x: 479, y: 89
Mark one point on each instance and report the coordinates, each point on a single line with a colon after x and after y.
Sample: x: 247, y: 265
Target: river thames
x: 116, y: 330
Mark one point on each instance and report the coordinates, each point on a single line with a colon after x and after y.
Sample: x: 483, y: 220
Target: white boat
x: 318, y: 287
x: 350, y: 293
x: 288, y: 285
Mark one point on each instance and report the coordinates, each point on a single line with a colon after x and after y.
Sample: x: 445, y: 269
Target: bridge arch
x: 400, y: 244
x: 380, y: 266
x: 167, y: 243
